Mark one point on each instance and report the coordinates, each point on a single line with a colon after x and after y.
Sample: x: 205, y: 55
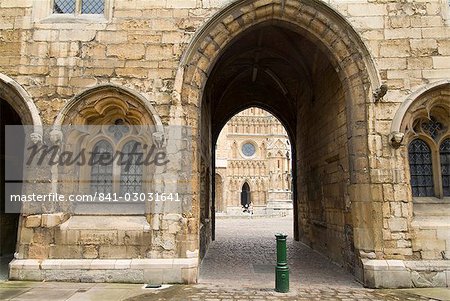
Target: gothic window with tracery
x: 117, y: 162
x: 102, y: 167
x: 421, y: 169
x: 75, y: 7
x: 131, y: 170
x: 444, y: 152
x: 429, y: 155
x: 432, y: 127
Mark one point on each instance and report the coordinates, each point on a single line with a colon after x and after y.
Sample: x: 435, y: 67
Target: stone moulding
x: 217, y: 18
x: 405, y: 274
x: 284, y: 8
x: 22, y: 103
x: 155, y: 271
x: 119, y: 90
x: 396, y: 134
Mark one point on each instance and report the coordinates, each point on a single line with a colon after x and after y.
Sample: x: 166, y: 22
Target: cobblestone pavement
x: 218, y: 294
x: 57, y: 291
x: 244, y: 255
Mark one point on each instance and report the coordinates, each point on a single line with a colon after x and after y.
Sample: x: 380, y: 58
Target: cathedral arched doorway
x: 245, y: 195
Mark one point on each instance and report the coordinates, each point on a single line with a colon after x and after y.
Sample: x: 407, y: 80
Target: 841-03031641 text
x: 98, y: 197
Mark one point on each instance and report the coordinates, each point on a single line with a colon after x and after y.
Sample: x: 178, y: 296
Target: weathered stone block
x: 428, y: 279
x: 114, y: 252
x: 386, y: 274
x: 51, y: 220
x: 126, y: 51
x: 33, y: 221
x: 98, y: 237
x: 398, y: 224
x: 77, y: 35
x: 154, y: 276
x: 90, y: 251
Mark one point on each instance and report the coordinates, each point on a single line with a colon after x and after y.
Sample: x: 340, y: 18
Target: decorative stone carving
x: 379, y: 93
x: 396, y: 139
x: 176, y: 98
x: 36, y: 138
x: 56, y: 136
x: 159, y: 139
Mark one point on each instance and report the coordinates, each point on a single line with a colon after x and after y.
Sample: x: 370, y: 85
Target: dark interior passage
x: 11, y: 161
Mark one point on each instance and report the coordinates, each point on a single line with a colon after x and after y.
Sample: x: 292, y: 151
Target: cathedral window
x: 129, y: 169
x: 102, y: 170
x: 131, y: 174
x: 248, y: 149
x: 444, y: 152
x: 78, y: 7
x: 421, y: 169
x: 429, y: 157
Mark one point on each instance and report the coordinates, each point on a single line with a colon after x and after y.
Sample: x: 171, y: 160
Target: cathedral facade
x: 253, y: 165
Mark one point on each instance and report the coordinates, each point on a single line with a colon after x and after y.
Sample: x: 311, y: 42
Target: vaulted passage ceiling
x: 271, y: 67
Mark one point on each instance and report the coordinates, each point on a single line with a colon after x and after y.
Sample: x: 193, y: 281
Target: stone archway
x: 16, y: 109
x: 334, y: 61
x: 109, y: 95
x: 16, y: 96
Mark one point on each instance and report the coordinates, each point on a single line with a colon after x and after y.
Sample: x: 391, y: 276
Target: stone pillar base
x: 404, y: 274
x: 153, y: 271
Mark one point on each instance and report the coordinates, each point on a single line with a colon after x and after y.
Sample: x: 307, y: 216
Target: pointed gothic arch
x: 349, y: 67
x: 19, y: 99
x: 245, y: 194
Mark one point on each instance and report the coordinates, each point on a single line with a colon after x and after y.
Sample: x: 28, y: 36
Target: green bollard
x: 282, y: 269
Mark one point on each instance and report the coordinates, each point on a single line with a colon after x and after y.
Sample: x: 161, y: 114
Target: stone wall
x: 140, y: 44
x: 323, y: 174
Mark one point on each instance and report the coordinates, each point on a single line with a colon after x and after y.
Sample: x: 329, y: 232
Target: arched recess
x: 16, y: 96
x: 424, y: 115
x: 16, y: 108
x: 420, y: 131
x: 328, y: 36
x: 99, y: 108
x: 103, y: 102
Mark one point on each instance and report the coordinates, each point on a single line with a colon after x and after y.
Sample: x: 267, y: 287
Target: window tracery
x: 428, y: 136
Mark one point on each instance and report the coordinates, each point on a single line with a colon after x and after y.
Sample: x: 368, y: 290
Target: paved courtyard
x: 239, y: 266
x: 244, y: 255
x: 22, y: 291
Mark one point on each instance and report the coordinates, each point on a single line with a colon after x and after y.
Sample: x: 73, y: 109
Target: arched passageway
x: 303, y: 63
x: 16, y: 109
x: 272, y: 67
